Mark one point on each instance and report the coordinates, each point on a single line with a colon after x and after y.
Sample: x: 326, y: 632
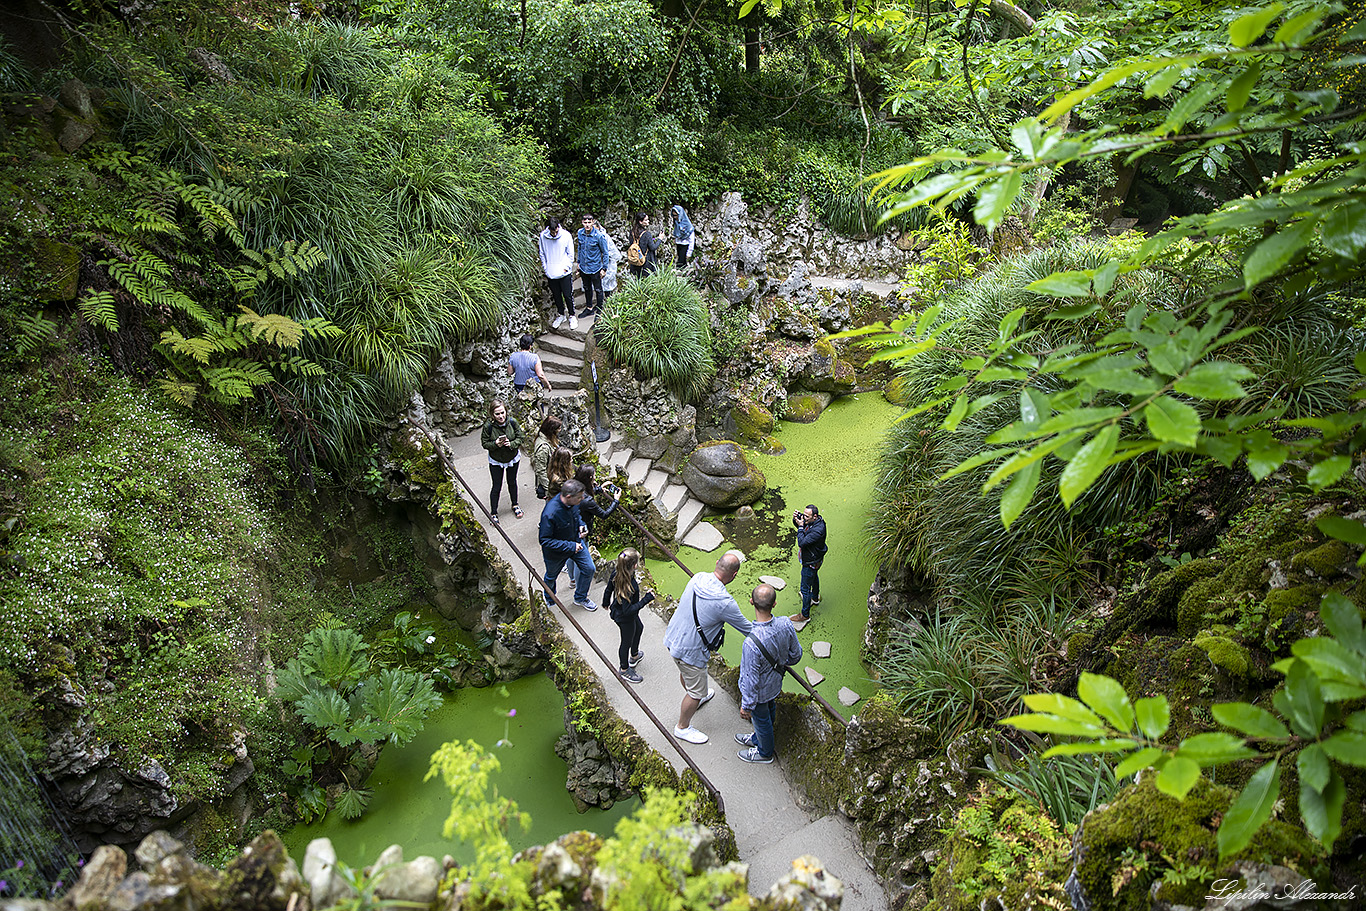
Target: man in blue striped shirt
x: 770, y: 647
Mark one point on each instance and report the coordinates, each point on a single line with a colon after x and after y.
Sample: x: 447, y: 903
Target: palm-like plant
x: 659, y: 326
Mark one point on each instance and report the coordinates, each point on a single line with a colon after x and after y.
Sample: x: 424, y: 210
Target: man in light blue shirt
x: 770, y: 647
x: 695, y: 631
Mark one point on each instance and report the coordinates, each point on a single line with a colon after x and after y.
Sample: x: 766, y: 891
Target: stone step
x: 688, y: 514
x: 675, y: 495
x: 704, y: 537
x: 562, y: 362
x: 559, y: 376
x: 620, y: 458
x: 637, y: 469
x: 656, y: 481
x: 554, y: 343
x: 579, y: 334
x: 609, y: 446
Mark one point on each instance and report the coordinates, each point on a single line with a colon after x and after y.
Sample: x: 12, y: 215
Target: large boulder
x: 719, y: 475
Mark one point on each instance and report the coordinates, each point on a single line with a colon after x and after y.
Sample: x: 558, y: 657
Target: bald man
x: 696, y: 630
x: 770, y: 647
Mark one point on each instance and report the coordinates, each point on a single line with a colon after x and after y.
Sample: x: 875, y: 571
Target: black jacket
x: 629, y: 606
x: 811, y: 541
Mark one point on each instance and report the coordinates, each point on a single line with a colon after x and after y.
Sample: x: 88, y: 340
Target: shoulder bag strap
x: 778, y: 667
x: 698, y: 624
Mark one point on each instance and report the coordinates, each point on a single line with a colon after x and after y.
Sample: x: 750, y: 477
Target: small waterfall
x: 38, y: 859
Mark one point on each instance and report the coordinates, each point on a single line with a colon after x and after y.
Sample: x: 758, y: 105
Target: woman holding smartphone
x: 502, y: 437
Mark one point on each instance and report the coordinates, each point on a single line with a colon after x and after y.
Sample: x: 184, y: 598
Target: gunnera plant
x: 659, y: 326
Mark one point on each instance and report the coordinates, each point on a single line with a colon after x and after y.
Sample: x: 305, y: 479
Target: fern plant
x: 337, y: 691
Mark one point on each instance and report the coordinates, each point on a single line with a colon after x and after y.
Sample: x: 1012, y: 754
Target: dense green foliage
x: 661, y: 327
x: 342, y: 180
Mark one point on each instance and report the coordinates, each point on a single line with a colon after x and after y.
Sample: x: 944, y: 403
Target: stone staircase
x: 562, y: 353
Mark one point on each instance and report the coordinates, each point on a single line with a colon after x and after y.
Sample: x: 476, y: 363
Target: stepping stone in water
x: 778, y: 584
x: 813, y: 676
x: 820, y: 649
x: 704, y: 537
x: 799, y: 625
x: 848, y: 696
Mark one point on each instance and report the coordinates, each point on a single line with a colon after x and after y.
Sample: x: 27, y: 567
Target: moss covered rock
x: 1225, y: 653
x: 752, y: 421
x: 719, y: 475
x: 805, y: 407
x: 1147, y: 846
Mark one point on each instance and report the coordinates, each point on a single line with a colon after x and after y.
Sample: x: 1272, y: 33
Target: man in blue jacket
x: 592, y: 263
x: 564, y: 537
x: 811, y: 546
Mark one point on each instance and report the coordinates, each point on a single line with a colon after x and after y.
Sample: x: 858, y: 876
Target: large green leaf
x: 1020, y: 491
x: 1107, y: 698
x: 1248, y: 27
x: 1250, y: 720
x: 995, y: 197
x: 1178, y: 776
x: 1250, y: 809
x: 1062, y: 706
x: 1139, y: 761
x: 1276, y: 252
x: 1086, y: 466
x: 1344, y: 229
x: 1214, y: 749
x: 1321, y: 809
x: 1302, y: 700
x: 1343, y: 620
x: 1172, y: 421
x: 1153, y: 715
x: 1215, y: 380
x: 400, y: 700
x: 1348, y: 747
x: 1052, y: 724
x: 1313, y: 766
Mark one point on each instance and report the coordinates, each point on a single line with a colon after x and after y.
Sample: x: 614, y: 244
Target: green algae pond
x: 829, y: 463
x: 409, y: 811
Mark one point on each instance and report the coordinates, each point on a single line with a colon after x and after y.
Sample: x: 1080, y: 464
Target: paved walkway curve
x: 771, y: 830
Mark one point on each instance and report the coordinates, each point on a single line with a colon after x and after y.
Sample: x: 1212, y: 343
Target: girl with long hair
x: 649, y: 246
x: 559, y: 469
x: 624, y: 602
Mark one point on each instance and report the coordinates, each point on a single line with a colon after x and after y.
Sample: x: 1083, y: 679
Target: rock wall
x: 265, y: 878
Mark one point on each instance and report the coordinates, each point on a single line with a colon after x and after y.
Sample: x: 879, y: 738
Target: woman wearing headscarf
x: 684, y: 237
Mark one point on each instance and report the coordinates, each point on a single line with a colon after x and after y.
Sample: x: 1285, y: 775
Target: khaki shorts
x: 694, y: 679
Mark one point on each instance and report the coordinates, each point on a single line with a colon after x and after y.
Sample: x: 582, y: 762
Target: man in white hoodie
x: 696, y: 631
x: 556, y: 248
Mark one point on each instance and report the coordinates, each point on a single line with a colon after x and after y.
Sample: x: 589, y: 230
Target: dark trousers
x: 496, y: 473
x: 562, y: 293
x: 682, y: 258
x: 811, y: 587
x: 592, y: 285
x: 762, y: 717
x: 631, y: 629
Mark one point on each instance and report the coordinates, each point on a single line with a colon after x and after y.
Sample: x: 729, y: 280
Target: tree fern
x: 277, y: 329
x: 98, y: 309
x: 35, y: 331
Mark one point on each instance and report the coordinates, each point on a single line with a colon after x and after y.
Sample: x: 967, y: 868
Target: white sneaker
x: 573, y: 323
x: 557, y: 322
x: 707, y: 698
x: 690, y: 734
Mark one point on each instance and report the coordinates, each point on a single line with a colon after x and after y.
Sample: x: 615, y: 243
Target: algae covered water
x: 409, y: 811
x: 830, y: 463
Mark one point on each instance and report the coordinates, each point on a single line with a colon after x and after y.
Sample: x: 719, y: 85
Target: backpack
x: 634, y: 255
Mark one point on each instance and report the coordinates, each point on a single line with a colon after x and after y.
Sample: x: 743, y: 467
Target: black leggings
x: 496, y: 472
x: 631, y: 628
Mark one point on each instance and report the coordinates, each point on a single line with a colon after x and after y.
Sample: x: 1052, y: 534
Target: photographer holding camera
x: 811, y: 546
x: 589, y: 510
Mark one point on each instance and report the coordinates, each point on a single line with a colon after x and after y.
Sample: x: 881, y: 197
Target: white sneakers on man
x: 573, y: 322
x: 558, y: 321
x: 690, y: 734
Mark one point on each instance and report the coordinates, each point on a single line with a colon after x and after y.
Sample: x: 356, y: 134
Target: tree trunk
x: 752, y: 44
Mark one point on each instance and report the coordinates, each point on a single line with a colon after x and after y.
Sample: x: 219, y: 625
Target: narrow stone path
x: 771, y: 829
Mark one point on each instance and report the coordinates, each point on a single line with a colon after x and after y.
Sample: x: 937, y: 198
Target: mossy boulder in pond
x: 719, y: 475
x: 751, y: 421
x: 1147, y: 848
x: 805, y: 407
x: 896, y: 391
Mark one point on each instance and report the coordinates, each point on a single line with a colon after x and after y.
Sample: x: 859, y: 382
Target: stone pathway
x: 771, y: 829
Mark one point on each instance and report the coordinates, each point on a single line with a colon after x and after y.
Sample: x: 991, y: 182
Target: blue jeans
x: 762, y: 717
x: 583, y: 560
x: 811, y: 587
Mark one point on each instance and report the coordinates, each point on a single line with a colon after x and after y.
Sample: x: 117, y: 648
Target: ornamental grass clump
x: 659, y: 326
